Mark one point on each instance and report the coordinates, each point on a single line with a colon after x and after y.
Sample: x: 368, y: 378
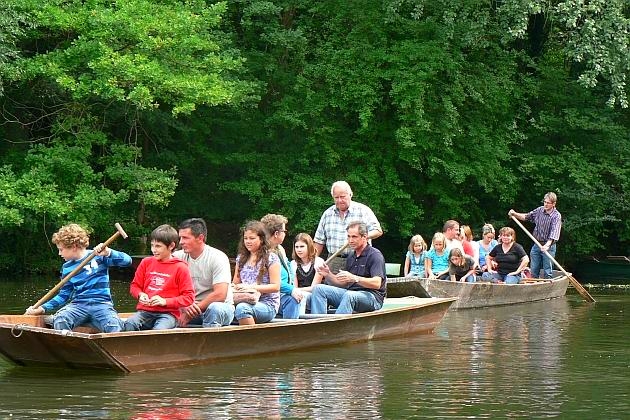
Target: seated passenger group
x: 454, y: 255
x: 193, y: 285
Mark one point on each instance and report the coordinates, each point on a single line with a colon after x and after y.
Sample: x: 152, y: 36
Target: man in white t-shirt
x: 211, y: 276
x: 451, y: 233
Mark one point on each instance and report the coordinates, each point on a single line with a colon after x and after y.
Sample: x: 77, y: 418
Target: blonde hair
x: 487, y: 228
x: 71, y: 235
x: 551, y: 196
x: 417, y: 239
x: 273, y: 223
x: 438, y: 236
x: 467, y: 232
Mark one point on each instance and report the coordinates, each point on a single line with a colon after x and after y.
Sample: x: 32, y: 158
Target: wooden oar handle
x: 336, y: 254
x: 581, y: 290
x: 119, y: 232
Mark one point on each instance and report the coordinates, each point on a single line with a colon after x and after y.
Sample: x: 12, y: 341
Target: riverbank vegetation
x: 146, y: 112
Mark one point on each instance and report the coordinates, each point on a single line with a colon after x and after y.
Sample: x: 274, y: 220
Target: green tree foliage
x: 592, y: 35
x: 90, y: 76
x: 143, y: 53
x: 407, y: 105
x: 584, y: 149
x: 12, y: 26
x: 230, y: 110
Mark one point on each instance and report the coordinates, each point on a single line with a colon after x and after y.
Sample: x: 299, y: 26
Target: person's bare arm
x: 373, y: 234
x: 218, y: 294
x: 318, y: 248
x: 519, y: 216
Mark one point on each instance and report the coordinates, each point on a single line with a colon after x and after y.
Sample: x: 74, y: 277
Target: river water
x: 559, y: 358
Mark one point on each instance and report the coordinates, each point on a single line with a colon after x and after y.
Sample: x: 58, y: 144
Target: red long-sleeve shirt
x: 170, y: 279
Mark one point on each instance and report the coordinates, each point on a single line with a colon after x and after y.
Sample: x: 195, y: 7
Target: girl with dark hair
x: 257, y: 270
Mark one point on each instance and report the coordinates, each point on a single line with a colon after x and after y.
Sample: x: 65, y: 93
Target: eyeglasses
x: 283, y: 231
x: 547, y: 202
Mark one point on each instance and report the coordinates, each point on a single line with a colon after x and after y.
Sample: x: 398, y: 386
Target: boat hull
x: 480, y: 294
x: 26, y: 342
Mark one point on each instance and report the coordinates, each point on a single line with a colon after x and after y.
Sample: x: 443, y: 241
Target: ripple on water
x: 556, y: 358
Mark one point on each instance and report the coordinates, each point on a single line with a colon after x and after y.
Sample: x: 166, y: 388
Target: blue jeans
x: 495, y: 277
x: 102, y: 316
x: 217, y: 314
x: 538, y: 260
x: 145, y: 320
x: 471, y: 278
x: 291, y: 308
x: 346, y: 301
x: 260, y: 312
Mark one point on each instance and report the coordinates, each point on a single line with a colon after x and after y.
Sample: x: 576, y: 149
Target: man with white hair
x: 331, y: 230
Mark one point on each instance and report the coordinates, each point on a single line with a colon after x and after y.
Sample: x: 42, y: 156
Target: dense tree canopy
x: 147, y: 112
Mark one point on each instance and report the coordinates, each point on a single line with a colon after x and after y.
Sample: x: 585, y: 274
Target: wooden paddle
x: 581, y: 290
x: 336, y: 254
x: 51, y: 292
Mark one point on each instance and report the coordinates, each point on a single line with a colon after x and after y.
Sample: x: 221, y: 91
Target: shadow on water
x: 555, y: 358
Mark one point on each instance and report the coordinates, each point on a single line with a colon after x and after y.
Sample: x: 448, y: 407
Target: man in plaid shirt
x: 547, y: 232
x: 331, y: 230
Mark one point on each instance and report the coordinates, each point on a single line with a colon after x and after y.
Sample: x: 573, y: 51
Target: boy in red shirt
x: 162, y: 285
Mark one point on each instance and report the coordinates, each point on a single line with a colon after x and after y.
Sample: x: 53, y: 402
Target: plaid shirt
x: 548, y: 225
x: 332, y: 228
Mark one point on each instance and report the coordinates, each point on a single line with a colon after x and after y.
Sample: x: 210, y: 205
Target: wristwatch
x: 356, y: 279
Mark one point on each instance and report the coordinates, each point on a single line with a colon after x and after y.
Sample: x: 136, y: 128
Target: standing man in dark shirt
x: 548, y: 223
x: 358, y: 288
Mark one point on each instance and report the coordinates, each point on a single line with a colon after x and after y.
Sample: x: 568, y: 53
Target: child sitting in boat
x: 257, y: 270
x: 436, y: 262
x: 304, y: 271
x: 86, y: 296
x: 414, y: 259
x: 162, y: 285
x: 461, y: 267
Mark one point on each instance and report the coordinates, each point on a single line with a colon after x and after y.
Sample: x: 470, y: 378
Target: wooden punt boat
x: 480, y: 294
x: 26, y: 341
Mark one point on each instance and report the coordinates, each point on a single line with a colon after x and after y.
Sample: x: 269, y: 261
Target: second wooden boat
x: 480, y: 294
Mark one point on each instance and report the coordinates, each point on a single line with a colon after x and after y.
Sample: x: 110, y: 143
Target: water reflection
x: 556, y: 358
x: 297, y: 385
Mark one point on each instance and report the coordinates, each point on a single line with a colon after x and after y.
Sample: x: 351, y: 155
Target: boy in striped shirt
x: 86, y: 297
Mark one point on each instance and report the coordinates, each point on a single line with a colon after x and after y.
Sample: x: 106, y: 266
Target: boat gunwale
x: 406, y: 304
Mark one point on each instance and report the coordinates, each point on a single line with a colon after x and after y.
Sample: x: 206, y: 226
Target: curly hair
x: 274, y: 223
x: 71, y: 235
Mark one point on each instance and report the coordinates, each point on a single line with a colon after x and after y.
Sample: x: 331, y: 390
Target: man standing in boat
x: 361, y: 286
x: 331, y: 230
x: 211, y: 276
x: 548, y: 223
